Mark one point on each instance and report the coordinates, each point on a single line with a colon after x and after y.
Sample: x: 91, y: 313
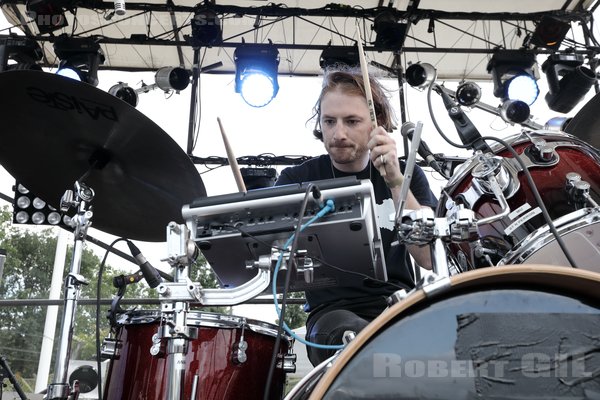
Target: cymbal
x: 586, y: 123
x: 56, y: 130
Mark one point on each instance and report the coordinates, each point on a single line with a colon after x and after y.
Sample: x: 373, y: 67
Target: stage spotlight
x: 390, y: 32
x: 24, y: 52
x: 30, y: 209
x: 166, y: 78
x: 338, y: 56
x: 48, y: 15
x: 256, y: 178
x: 79, y: 58
x: 172, y: 78
x: 256, y: 73
x: 513, y: 75
x: 206, y: 29
x: 550, y: 32
x: 124, y: 92
x: 514, y: 111
x: 420, y: 75
x: 468, y: 94
x: 568, y: 81
x: 522, y: 87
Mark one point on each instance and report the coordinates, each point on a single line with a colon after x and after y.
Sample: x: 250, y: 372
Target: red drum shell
x: 574, y: 156
x: 136, y: 374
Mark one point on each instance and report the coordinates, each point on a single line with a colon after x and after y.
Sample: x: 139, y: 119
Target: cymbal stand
x: 176, y: 296
x: 81, y: 197
x: 175, y: 300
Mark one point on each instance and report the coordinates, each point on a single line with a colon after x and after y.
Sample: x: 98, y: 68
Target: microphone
x: 466, y: 129
x: 124, y: 280
x: 149, y: 272
x: 407, y: 130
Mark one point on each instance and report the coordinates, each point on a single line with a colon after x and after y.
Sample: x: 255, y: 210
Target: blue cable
x: 329, y: 206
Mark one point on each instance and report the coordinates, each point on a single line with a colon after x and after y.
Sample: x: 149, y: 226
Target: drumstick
x: 367, y: 83
x: 232, y: 160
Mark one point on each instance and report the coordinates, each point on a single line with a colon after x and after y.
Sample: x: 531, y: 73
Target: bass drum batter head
x: 525, y: 331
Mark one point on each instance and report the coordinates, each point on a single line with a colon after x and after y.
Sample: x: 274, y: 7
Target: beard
x: 346, y: 153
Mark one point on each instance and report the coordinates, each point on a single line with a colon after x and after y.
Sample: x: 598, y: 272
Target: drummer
x: 353, y: 149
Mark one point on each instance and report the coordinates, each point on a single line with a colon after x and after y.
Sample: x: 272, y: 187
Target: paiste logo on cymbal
x: 65, y: 102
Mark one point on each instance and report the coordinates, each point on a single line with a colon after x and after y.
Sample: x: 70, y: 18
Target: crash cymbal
x: 56, y: 130
x: 586, y: 123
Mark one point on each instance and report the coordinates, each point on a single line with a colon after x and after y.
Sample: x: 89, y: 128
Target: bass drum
x: 551, y: 158
x: 213, y: 358
x: 513, y: 332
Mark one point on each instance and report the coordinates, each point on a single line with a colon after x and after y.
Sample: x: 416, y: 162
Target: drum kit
x: 526, y: 328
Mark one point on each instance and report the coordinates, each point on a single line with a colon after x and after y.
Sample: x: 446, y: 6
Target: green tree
x: 295, y: 316
x: 27, y: 275
x: 203, y: 274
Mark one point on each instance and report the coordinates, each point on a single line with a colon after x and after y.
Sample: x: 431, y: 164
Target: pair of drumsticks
x: 369, y: 95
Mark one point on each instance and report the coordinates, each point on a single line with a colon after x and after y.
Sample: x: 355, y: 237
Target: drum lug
x: 287, y: 362
x: 579, y: 191
x: 239, y: 355
x: 111, y: 349
x: 168, y: 331
x: 157, y: 349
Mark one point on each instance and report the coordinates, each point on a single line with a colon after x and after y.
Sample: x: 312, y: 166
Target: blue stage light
x: 256, y: 73
x: 522, y: 87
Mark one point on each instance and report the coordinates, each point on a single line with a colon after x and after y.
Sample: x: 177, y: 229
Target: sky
x: 280, y: 128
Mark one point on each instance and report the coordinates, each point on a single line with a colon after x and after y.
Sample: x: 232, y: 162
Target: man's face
x: 346, y: 125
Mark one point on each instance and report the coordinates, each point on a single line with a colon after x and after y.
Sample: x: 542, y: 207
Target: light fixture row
x: 514, y: 72
x: 31, y: 209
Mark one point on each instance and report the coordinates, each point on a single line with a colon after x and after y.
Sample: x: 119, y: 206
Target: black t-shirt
x: 398, y: 264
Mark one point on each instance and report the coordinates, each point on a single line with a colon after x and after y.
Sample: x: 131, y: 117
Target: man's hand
x: 385, y: 156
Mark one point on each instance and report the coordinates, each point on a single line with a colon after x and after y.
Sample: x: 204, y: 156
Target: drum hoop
x: 308, y: 378
x: 200, y: 318
x: 568, y: 278
x: 542, y: 236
